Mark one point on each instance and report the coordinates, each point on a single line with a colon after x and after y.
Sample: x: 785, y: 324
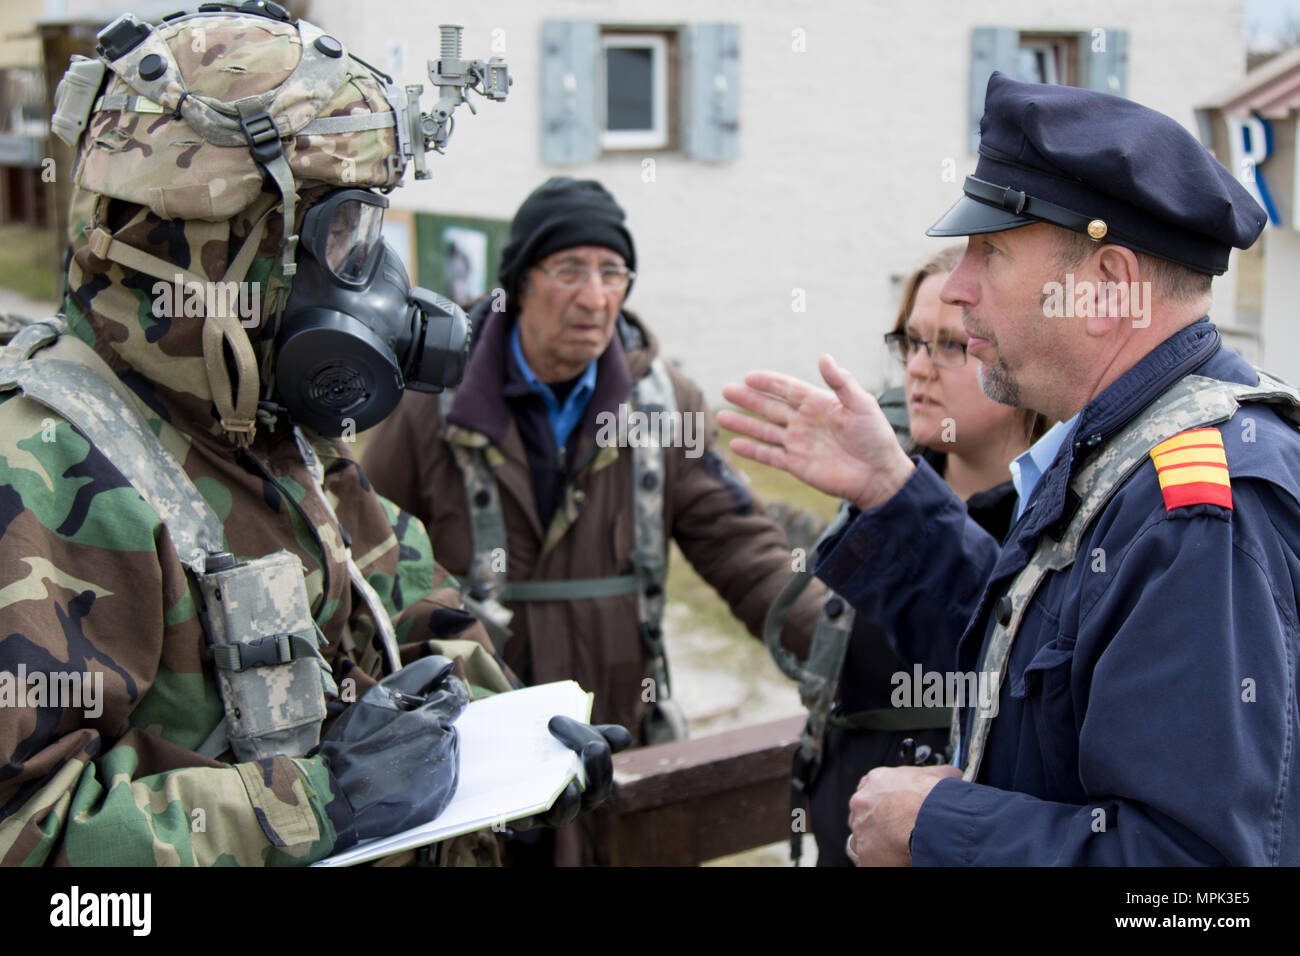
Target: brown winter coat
x: 721, y: 528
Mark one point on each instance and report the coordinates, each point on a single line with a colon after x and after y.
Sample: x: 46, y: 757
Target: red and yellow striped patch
x: 1193, y: 469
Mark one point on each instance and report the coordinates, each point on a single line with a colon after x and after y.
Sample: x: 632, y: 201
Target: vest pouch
x: 266, y: 651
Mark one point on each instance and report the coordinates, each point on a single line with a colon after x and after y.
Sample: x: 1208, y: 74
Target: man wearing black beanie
x: 552, y: 480
x: 563, y: 213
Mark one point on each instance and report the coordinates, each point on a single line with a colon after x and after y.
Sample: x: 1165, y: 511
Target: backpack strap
x: 652, y: 394
x: 484, y: 584
x: 818, y: 677
x: 64, y: 374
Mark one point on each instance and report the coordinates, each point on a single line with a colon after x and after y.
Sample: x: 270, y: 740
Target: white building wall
x: 841, y: 161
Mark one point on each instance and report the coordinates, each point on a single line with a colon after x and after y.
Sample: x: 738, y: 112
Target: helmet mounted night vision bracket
x: 454, y: 76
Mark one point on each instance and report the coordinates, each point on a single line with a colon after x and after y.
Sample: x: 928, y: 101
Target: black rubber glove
x: 393, y: 754
x: 596, y: 747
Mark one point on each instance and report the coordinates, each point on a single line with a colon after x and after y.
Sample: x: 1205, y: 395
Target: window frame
x: 1068, y: 73
x: 659, y: 135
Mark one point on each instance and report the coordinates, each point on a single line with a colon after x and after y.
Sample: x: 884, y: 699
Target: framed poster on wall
x: 458, y: 255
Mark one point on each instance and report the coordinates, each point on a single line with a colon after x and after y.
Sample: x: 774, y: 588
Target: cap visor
x: 970, y: 217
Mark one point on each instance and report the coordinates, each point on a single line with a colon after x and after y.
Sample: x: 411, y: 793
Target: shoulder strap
x: 64, y: 374
x: 821, y: 671
x: 1192, y: 402
x: 653, y: 393
x: 383, y: 623
x: 1270, y: 391
x: 485, y: 578
x: 484, y: 587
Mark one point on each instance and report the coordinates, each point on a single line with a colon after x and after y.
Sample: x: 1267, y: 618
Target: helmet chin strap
x: 236, y: 403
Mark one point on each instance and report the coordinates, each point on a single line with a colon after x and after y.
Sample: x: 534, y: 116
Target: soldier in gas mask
x: 183, y: 541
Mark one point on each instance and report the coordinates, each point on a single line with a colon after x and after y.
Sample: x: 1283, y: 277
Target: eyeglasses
x: 944, y: 352
x: 612, y: 278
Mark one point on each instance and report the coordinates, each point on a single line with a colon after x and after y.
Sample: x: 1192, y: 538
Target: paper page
x: 510, y: 767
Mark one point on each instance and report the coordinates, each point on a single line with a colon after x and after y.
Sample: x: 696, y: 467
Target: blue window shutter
x: 570, y: 72
x: 991, y: 48
x: 711, y: 93
x: 1104, y: 69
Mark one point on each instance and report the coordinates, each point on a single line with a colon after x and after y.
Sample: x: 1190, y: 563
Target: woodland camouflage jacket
x: 90, y: 582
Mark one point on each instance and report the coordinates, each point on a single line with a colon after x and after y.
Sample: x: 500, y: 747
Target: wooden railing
x: 680, y: 804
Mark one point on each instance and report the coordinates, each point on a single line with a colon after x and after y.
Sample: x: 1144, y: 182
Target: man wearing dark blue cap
x: 1126, y: 663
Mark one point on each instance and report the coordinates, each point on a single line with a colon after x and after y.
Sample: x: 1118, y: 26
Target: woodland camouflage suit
x: 90, y: 580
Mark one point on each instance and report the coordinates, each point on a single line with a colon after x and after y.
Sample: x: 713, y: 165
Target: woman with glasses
x: 971, y: 441
x: 968, y: 438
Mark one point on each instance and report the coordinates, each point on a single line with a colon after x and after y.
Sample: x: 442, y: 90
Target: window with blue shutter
x: 609, y: 88
x: 636, y: 109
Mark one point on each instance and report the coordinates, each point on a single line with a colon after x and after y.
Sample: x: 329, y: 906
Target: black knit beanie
x: 559, y: 214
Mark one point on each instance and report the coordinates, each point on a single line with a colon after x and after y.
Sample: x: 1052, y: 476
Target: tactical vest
x: 1192, y: 402
x: 265, y: 644
x: 485, y: 585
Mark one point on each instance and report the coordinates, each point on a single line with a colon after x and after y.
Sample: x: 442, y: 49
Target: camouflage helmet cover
x: 164, y: 152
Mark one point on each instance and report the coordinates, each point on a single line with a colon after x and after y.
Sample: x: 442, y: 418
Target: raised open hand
x: 838, y: 441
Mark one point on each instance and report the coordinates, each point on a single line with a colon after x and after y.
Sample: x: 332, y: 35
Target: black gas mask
x: 354, y: 333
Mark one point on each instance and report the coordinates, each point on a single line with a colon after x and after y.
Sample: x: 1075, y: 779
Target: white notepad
x: 510, y: 767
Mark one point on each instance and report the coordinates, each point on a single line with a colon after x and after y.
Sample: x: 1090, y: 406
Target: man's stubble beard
x: 996, y: 382
x: 995, y: 379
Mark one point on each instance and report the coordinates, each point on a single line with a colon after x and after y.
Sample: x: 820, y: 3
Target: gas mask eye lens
x: 352, y: 241
x: 344, y: 233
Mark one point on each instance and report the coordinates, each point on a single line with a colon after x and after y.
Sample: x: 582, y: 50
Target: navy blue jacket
x: 1154, y: 681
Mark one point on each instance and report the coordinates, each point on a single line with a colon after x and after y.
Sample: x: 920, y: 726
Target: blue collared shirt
x: 1030, y: 465
x: 563, y: 418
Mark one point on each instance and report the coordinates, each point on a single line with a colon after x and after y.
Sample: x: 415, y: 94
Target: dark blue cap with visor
x: 1104, y: 166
